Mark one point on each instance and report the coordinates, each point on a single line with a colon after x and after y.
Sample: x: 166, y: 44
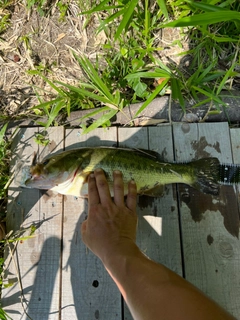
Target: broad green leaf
x: 204, y: 19
x: 140, y: 88
x: 151, y: 97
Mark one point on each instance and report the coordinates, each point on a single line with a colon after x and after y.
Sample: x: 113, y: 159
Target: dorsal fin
x: 149, y: 154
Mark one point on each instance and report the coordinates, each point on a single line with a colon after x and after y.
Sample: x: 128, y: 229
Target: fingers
x: 131, y: 201
x: 93, y: 196
x: 102, y: 187
x: 118, y: 188
x: 98, y: 190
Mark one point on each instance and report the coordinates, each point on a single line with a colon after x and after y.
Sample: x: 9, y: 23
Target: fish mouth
x: 38, y: 182
x: 24, y: 176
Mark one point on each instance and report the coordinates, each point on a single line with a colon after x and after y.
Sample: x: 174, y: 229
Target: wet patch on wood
x: 200, y: 148
x: 200, y: 203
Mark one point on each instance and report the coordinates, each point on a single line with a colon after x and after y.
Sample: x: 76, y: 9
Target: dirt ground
x: 45, y: 43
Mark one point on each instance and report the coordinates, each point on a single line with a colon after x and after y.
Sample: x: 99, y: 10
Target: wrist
x: 120, y: 256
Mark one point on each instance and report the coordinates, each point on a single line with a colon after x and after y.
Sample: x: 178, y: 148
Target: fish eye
x: 45, y: 162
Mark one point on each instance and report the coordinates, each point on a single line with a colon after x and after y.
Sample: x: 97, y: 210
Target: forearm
x: 154, y: 292
x: 150, y: 290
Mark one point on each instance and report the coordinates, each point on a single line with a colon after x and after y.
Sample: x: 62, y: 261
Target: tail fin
x: 206, y: 171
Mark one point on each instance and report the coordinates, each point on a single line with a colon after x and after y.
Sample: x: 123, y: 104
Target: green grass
x: 130, y: 56
x: 131, y: 63
x: 4, y: 15
x: 125, y: 71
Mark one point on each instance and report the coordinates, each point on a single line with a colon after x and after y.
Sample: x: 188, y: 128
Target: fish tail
x: 206, y: 172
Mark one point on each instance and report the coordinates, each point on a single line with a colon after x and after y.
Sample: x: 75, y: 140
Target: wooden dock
x: 52, y: 274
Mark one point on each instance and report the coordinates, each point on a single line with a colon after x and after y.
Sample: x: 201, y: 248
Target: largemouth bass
x: 67, y: 172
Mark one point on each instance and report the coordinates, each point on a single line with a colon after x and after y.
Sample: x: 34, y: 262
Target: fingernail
x: 92, y: 175
x: 117, y: 172
x: 132, y: 182
x: 98, y: 170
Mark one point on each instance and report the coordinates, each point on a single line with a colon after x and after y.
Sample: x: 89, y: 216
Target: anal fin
x: 157, y: 191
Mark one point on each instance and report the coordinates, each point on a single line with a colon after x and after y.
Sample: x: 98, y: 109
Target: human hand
x: 111, y: 224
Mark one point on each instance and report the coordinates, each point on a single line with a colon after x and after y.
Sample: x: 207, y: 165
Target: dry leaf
x: 146, y: 121
x: 60, y: 36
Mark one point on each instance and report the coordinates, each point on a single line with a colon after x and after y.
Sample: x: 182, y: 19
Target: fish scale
x: 67, y: 172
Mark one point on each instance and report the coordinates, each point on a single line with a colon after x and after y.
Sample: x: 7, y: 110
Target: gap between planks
x: 91, y: 301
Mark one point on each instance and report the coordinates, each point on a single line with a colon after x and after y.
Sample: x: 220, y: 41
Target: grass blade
x: 2, y: 132
x: 95, y: 112
x: 228, y: 74
x: 86, y: 93
x: 101, y: 121
x: 99, y: 7
x: 112, y: 17
x: 126, y: 17
x: 176, y: 92
x: 208, y: 94
x: 35, y: 72
x: 205, y: 6
x: 150, y: 74
x: 204, y: 19
x: 93, y: 76
x: 54, y: 113
x: 162, y: 6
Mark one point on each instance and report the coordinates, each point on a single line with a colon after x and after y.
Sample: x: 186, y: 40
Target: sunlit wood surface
x: 54, y: 276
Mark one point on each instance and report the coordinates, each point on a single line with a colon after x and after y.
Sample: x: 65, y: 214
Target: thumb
x: 84, y: 227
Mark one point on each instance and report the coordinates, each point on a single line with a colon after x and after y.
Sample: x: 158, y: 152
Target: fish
x: 67, y: 172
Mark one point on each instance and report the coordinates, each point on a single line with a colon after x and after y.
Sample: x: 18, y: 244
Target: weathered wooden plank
x: 235, y: 142
x: 21, y: 205
x: 45, y: 297
x: 169, y: 251
x: 88, y: 292
x: 211, y: 253
x: 158, y: 227
x: 37, y: 258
